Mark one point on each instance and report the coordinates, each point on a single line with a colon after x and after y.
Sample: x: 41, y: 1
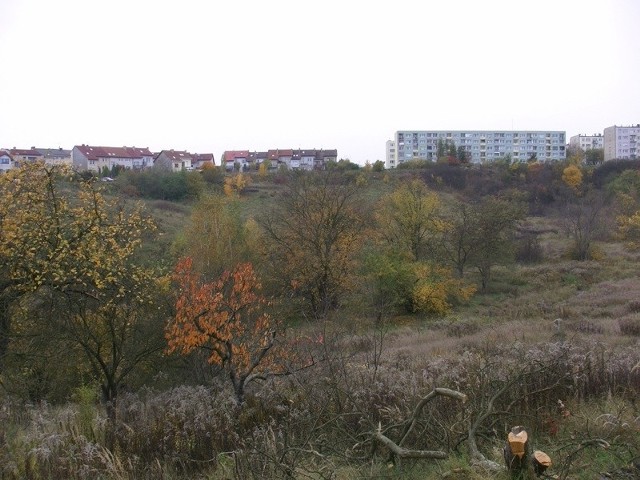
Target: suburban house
x: 174, y: 160
x: 235, y: 159
x: 94, y: 159
x: 279, y: 157
x: 256, y: 158
x: 292, y: 159
x: 199, y: 160
x: 56, y: 156
x: 6, y: 162
x: 20, y: 156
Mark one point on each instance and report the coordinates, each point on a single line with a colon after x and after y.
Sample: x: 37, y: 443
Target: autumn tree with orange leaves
x: 226, y: 318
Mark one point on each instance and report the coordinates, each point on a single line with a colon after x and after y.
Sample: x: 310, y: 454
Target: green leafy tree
x: 494, y: 224
x: 594, y: 156
x: 409, y: 219
x: 387, y: 283
x: 217, y: 237
x: 378, y: 166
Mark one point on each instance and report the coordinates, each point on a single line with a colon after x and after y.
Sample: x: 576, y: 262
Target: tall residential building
x: 390, y: 159
x: 622, y: 142
x: 481, y: 145
x: 587, y: 142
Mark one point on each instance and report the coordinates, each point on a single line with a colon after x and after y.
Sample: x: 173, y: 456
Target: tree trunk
x: 110, y: 397
x: 5, y: 325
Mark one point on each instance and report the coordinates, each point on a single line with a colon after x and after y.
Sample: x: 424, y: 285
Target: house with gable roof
x: 174, y: 160
x: 200, y: 160
x: 20, y: 155
x: 94, y: 159
x: 232, y: 159
x: 55, y: 156
x: 309, y: 159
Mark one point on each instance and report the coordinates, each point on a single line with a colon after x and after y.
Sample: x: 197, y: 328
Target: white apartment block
x: 622, y: 142
x: 587, y: 142
x: 482, y: 145
x: 390, y: 159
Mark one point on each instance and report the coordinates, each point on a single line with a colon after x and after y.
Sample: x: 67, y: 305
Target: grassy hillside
x: 552, y: 344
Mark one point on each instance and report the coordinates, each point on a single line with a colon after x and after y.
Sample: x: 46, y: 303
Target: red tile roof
x: 202, y: 157
x: 232, y: 155
x: 276, y: 154
x: 176, y: 155
x: 94, y: 153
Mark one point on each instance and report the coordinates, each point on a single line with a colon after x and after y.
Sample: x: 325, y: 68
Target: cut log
x: 541, y: 461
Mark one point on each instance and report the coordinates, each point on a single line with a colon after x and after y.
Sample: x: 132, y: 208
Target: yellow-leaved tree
x: 436, y: 290
x: 236, y: 184
x: 409, y: 219
x: 67, y: 248
x: 572, y: 176
x: 629, y: 229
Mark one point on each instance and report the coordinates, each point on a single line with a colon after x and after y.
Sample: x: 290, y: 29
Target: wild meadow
x: 346, y: 324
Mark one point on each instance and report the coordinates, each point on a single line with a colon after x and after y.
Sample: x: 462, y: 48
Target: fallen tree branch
x: 418, y: 410
x: 404, y: 452
x: 396, y: 449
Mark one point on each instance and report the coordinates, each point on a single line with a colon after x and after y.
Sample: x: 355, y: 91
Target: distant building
x: 235, y: 159
x: 200, y: 160
x: 621, y: 142
x: 257, y: 158
x: 311, y: 159
x: 56, y: 156
x: 21, y: 156
x: 94, y: 159
x: 390, y: 159
x: 6, y: 162
x: 587, y: 142
x: 50, y: 156
x: 174, y: 160
x: 481, y: 145
x: 177, y: 160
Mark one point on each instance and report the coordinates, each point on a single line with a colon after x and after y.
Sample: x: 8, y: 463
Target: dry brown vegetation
x: 553, y: 345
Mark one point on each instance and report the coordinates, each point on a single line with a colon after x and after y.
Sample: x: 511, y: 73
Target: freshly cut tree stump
x: 541, y: 461
x: 516, y: 453
x: 520, y: 463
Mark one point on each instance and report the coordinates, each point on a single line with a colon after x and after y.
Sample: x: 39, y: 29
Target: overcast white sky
x: 209, y: 76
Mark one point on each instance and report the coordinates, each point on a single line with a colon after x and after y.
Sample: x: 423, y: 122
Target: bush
x: 462, y: 328
x: 529, y: 249
x: 585, y: 326
x: 160, y: 184
x: 630, y: 326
